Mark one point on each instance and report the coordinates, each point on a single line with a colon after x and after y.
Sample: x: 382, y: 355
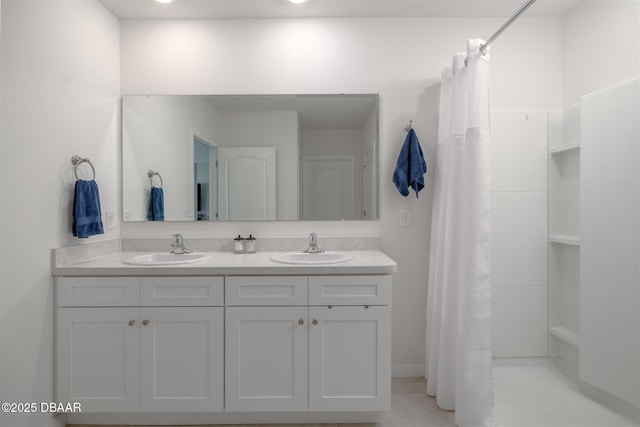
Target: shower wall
x: 519, y: 227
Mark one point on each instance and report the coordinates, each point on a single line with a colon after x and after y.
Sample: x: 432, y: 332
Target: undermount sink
x: 165, y: 259
x: 312, y: 258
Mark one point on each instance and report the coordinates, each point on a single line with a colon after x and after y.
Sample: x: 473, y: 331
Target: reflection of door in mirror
x: 247, y: 183
x: 368, y: 183
x: 205, y: 159
x: 327, y: 188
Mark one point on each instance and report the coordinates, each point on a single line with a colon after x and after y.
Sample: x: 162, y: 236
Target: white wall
x: 400, y: 59
x: 594, y: 61
x: 601, y: 47
x: 60, y: 87
x: 609, y: 272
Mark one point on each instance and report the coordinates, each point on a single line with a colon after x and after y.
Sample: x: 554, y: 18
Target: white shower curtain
x: 458, y: 342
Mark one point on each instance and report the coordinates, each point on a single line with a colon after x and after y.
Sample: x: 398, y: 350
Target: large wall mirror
x: 250, y: 157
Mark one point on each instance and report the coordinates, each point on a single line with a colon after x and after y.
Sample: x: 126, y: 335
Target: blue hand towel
x: 156, y: 205
x: 411, y: 167
x: 86, y: 218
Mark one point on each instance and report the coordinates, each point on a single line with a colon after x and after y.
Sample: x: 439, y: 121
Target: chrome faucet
x: 313, y: 245
x: 178, y: 245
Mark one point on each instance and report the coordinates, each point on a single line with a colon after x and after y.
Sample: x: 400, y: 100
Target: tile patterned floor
x: 527, y: 393
x: 410, y: 407
x: 534, y: 393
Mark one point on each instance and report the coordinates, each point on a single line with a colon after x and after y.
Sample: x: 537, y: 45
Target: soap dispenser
x: 238, y: 245
x: 250, y: 245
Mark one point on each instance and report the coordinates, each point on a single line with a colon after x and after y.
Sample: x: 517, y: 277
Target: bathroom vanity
x: 233, y: 339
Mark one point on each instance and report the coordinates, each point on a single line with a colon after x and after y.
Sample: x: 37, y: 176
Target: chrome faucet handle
x: 178, y: 245
x: 313, y: 245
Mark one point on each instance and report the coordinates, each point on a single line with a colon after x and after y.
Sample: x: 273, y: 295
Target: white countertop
x: 224, y: 263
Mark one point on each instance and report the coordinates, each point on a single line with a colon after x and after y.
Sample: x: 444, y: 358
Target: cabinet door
x: 266, y: 358
x: 98, y: 358
x: 350, y: 358
x: 182, y: 359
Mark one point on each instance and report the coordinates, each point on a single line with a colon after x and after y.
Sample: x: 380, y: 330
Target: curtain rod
x: 483, y: 47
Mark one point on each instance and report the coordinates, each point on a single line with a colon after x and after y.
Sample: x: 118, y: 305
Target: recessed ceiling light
x: 164, y: 1
x: 297, y: 1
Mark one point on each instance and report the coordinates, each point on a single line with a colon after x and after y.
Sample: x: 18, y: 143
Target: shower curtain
x: 458, y: 342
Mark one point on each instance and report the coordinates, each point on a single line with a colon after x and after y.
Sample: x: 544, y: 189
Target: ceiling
x: 255, y: 9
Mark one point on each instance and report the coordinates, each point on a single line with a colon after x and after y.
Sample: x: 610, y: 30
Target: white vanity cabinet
x: 224, y: 349
x: 308, y: 343
x: 131, y: 344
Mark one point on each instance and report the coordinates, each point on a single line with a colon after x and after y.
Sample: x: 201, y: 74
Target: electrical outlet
x: 111, y: 219
x: 405, y: 217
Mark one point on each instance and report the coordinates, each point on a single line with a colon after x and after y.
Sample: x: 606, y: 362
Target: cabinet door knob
x: 314, y: 321
x: 132, y: 322
x: 145, y: 322
x: 300, y: 322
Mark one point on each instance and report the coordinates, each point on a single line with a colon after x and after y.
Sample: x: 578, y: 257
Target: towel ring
x: 76, y: 160
x: 151, y: 173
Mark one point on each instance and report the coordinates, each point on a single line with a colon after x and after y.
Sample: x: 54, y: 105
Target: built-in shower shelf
x: 565, y: 239
x: 565, y: 335
x: 564, y: 148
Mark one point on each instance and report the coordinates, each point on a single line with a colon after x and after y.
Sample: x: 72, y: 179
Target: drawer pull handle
x: 132, y: 322
x: 300, y: 322
x: 145, y: 322
x: 315, y: 321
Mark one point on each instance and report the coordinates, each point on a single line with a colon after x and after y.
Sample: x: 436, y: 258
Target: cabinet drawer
x: 98, y: 291
x: 266, y: 290
x: 182, y: 291
x: 350, y: 290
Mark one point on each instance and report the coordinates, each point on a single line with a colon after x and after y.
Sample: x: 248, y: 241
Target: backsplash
x: 267, y: 244
x: 79, y: 253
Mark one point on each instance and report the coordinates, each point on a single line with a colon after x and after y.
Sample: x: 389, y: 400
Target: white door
x: 350, y: 358
x: 369, y: 185
x: 205, y: 179
x: 98, y: 356
x: 327, y: 188
x: 182, y: 359
x: 213, y: 184
x: 247, y: 183
x: 266, y: 358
